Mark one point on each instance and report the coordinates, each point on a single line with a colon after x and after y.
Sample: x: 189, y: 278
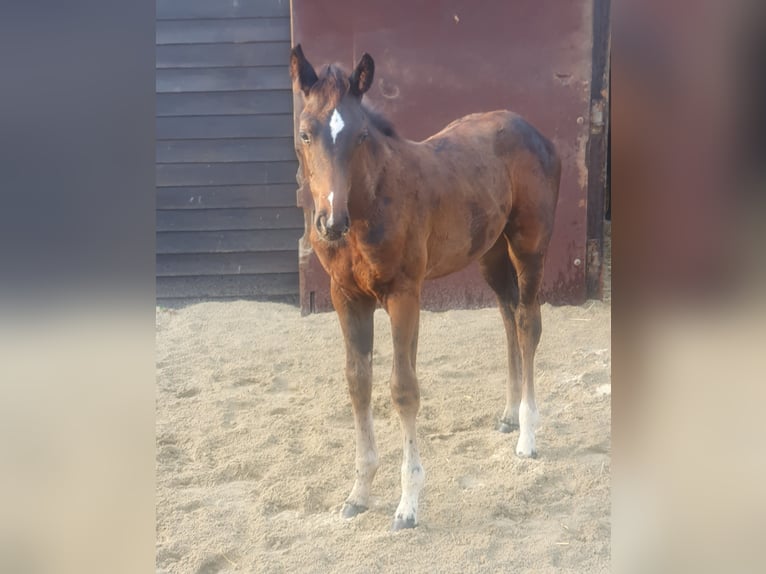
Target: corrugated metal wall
x: 227, y: 225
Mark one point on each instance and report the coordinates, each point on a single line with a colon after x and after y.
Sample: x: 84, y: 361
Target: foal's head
x: 334, y: 136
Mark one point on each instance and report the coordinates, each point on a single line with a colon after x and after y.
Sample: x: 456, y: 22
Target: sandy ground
x: 255, y: 446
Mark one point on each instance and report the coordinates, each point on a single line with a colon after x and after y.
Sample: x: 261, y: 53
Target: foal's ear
x: 301, y: 71
x: 361, y: 79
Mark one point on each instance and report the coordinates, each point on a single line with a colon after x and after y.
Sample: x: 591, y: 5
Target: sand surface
x: 255, y: 446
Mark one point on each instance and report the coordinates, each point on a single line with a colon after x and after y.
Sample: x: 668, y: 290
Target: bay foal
x: 390, y: 213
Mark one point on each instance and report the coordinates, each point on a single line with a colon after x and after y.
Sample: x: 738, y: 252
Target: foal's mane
x: 333, y: 83
x: 381, y: 123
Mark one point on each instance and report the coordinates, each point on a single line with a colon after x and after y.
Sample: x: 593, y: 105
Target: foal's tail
x: 554, y: 182
x: 556, y: 176
x: 550, y: 166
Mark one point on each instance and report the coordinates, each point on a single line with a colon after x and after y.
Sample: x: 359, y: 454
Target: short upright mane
x: 381, y: 123
x: 333, y: 83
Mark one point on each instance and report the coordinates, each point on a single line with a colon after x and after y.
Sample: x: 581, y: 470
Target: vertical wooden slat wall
x: 227, y: 224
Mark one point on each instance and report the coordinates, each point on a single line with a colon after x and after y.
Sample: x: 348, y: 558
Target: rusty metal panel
x: 437, y: 61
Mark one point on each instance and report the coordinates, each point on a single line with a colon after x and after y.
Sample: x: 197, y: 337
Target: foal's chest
x: 362, y: 267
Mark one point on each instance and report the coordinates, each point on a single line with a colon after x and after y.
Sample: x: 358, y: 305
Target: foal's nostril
x: 333, y: 227
x: 321, y: 223
x: 339, y: 225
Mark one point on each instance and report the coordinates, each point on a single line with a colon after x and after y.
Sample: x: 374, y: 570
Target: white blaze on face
x: 329, y: 200
x: 336, y: 124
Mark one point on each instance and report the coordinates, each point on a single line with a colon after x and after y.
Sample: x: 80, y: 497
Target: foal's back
x: 485, y: 149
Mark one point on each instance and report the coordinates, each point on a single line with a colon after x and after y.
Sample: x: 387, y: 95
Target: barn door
x: 435, y: 64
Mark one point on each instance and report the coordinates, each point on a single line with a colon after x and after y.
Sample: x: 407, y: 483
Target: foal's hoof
x: 350, y: 510
x: 402, y: 523
x: 530, y: 454
x: 507, y: 426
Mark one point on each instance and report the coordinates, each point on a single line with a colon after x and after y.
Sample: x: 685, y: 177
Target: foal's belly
x: 459, y: 239
x: 470, y: 202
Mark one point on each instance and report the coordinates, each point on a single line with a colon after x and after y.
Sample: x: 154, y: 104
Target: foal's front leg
x: 404, y: 310
x: 356, y: 320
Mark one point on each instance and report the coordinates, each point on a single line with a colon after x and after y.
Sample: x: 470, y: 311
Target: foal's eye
x: 363, y: 135
x: 305, y: 138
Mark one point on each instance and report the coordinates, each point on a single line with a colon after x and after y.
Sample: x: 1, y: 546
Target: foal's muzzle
x: 332, y: 228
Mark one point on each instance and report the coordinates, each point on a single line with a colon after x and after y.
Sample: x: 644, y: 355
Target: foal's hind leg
x: 529, y: 268
x: 498, y: 271
x: 356, y: 321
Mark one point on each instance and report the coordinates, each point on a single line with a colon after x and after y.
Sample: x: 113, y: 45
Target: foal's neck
x: 383, y: 162
x: 375, y: 167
